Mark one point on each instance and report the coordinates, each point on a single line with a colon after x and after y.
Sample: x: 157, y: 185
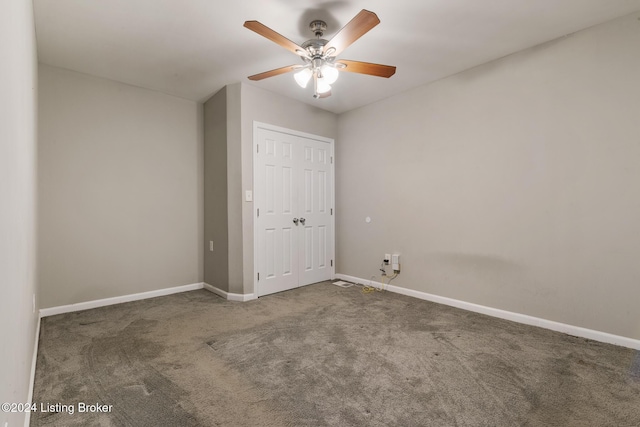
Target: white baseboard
x: 215, y: 290
x: 241, y: 297
x: 32, y: 376
x: 507, y: 315
x: 228, y: 295
x: 52, y: 311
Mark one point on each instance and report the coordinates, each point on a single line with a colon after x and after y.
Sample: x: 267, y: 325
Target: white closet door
x: 314, y: 209
x: 276, y: 200
x: 294, y: 196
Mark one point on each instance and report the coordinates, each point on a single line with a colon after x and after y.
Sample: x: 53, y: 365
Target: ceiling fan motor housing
x: 315, y: 47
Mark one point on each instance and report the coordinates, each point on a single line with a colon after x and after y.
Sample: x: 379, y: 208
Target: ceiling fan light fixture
x: 319, y: 55
x: 329, y: 74
x: 302, y: 77
x: 322, y: 86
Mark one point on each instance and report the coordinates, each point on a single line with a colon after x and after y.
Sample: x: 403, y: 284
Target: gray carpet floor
x: 322, y: 355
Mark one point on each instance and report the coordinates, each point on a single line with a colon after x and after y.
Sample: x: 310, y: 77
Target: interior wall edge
x: 32, y: 378
x: 19, y: 290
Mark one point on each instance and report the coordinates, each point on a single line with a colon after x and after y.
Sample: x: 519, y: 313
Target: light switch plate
x: 395, y: 262
x: 248, y: 196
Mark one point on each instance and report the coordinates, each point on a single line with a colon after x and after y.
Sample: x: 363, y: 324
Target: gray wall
x: 234, y: 186
x: 216, y: 262
x: 267, y: 107
x: 120, y: 189
x: 514, y: 185
x: 244, y: 105
x: 18, y: 82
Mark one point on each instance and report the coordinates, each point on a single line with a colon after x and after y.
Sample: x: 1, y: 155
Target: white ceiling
x: 192, y: 48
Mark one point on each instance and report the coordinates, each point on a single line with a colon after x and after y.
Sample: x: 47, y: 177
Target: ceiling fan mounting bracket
x: 318, y: 27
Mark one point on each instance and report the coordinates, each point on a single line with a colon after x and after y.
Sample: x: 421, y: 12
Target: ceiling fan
x: 319, y: 55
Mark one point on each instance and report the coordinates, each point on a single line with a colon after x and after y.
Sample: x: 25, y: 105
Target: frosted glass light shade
x: 302, y: 77
x: 323, y: 86
x: 330, y: 74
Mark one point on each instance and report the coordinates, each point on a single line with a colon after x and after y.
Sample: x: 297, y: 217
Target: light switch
x: 248, y: 196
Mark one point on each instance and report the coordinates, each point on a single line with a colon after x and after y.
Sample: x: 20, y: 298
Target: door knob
x: 295, y: 221
x: 302, y: 220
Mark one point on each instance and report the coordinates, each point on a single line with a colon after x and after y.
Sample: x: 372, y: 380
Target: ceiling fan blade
x: 275, y: 72
x: 356, y: 28
x: 366, y: 68
x: 325, y: 95
x: 277, y: 38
